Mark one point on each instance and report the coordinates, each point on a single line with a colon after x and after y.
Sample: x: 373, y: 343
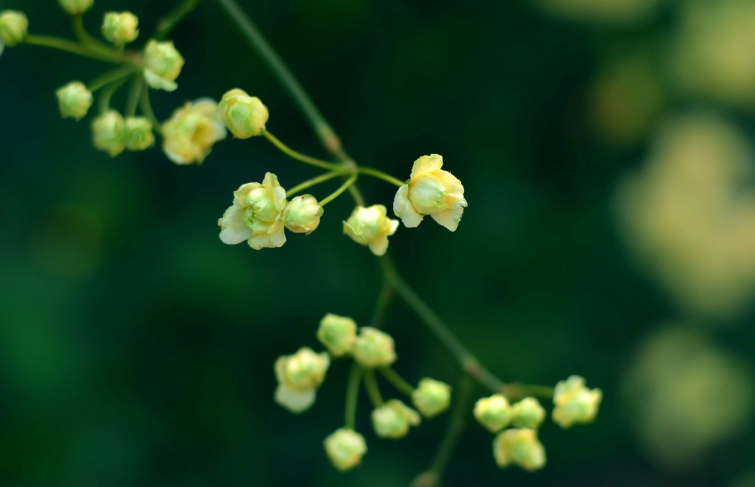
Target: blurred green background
x: 137, y: 349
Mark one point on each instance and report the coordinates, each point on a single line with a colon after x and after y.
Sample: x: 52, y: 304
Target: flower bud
x: 373, y: 348
x: 162, y: 65
x: 299, y: 375
x: 520, y: 447
x: 191, y: 132
x: 392, y: 420
x: 139, y: 134
x: 244, y: 115
x: 370, y: 227
x: 75, y: 7
x: 13, y: 28
x: 302, y: 214
x: 109, y: 133
x: 527, y: 413
x: 74, y: 100
x: 256, y: 215
x: 431, y: 397
x: 430, y: 191
x: 493, y: 412
x: 575, y: 403
x: 345, y: 448
x: 120, y: 28
x: 337, y: 333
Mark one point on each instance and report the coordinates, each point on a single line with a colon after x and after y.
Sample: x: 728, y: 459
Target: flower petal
x: 403, y: 208
x: 426, y: 163
x: 269, y: 241
x: 233, y: 230
x: 446, y: 219
x: 296, y: 401
x: 379, y: 245
x: 158, y: 83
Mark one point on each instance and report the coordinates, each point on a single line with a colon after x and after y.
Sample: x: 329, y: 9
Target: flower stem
x: 107, y: 94
x: 83, y: 35
x: 373, y: 390
x: 166, y: 24
x: 74, y: 48
x: 352, y: 395
x: 146, y: 107
x: 340, y: 190
x: 380, y: 175
x: 314, y: 181
x: 134, y: 94
x: 298, y: 155
x: 396, y: 380
x: 110, y: 76
x: 384, y: 301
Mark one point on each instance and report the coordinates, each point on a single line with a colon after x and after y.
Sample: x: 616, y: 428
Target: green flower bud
x: 74, y: 100
x: 191, y: 132
x: 575, y: 403
x: 493, y: 412
x: 392, y: 420
x: 519, y: 447
x: 302, y: 214
x: 139, y: 134
x: 75, y: 7
x: 373, y: 348
x: 345, y: 448
x: 431, y: 397
x: 109, y: 133
x: 337, y: 333
x: 120, y: 28
x: 299, y: 375
x: 162, y: 65
x: 13, y: 28
x: 370, y: 227
x: 244, y: 115
x: 527, y: 413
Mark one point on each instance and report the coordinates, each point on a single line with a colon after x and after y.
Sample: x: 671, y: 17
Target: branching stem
x: 166, y: 24
x: 315, y: 181
x: 146, y: 107
x: 373, y: 390
x: 352, y: 395
x: 298, y: 155
x: 110, y: 56
x: 110, y: 76
x: 396, y: 380
x: 340, y: 190
x: 134, y: 94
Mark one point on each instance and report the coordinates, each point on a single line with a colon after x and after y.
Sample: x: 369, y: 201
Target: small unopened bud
x: 392, y: 420
x: 370, y: 227
x: 575, y: 403
x: 519, y: 447
x: 244, y: 115
x: 493, y: 412
x: 374, y: 348
x: 109, y: 133
x: 75, y: 7
x: 299, y: 375
x: 162, y: 65
x: 120, y: 28
x: 13, y: 28
x: 337, y: 333
x: 431, y: 397
x: 302, y: 214
x: 527, y: 413
x: 345, y: 448
x: 74, y: 100
x: 191, y: 132
x: 139, y: 134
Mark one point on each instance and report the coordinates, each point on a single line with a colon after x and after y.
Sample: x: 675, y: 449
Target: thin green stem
x: 383, y: 304
x: 354, y: 191
x: 373, y: 390
x: 516, y: 391
x: 166, y: 24
x: 134, y: 94
x: 396, y: 381
x: 298, y: 155
x: 83, y: 35
x: 352, y: 395
x: 340, y: 190
x: 380, y: 175
x: 74, y: 48
x: 110, y: 76
x: 146, y: 107
x: 314, y: 181
x: 107, y: 93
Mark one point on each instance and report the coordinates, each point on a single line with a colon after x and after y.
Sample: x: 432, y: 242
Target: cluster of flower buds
x: 14, y: 27
x: 300, y: 375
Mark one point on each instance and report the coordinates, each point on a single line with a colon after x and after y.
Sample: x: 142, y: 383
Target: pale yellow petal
x: 269, y: 241
x: 426, y: 163
x: 233, y: 230
x: 379, y: 245
x: 296, y: 401
x: 403, y: 208
x: 446, y: 219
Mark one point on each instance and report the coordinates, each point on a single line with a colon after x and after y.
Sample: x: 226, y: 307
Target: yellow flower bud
x: 109, y: 133
x: 373, y: 348
x: 527, y: 413
x: 74, y: 100
x: 162, y: 65
x: 493, y: 412
x: 256, y: 215
x: 299, y: 375
x: 431, y: 397
x: 13, y: 28
x: 392, y: 420
x: 345, y: 448
x: 519, y: 447
x: 370, y: 227
x: 244, y: 115
x: 430, y: 191
x: 337, y: 333
x: 191, y: 132
x: 302, y: 214
x: 139, y: 134
x: 120, y: 28
x: 75, y: 7
x: 575, y: 403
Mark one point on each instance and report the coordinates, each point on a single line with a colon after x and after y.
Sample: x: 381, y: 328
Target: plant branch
x: 383, y: 304
x: 373, y: 390
x: 340, y: 190
x: 298, y: 155
x: 110, y: 76
x: 396, y: 380
x: 380, y: 175
x: 107, y: 94
x: 74, y: 48
x: 83, y: 35
x: 166, y: 24
x: 352, y: 395
x: 146, y: 107
x: 134, y: 94
x: 314, y: 181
